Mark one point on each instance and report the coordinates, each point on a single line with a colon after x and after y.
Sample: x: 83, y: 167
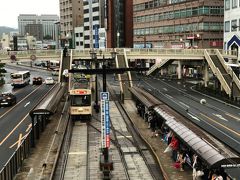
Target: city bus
x: 20, y: 78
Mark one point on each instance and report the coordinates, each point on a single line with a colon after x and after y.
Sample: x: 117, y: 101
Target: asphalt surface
x: 216, y: 117
x: 15, y: 122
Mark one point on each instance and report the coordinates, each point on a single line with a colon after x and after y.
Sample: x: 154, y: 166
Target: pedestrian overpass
x: 214, y: 58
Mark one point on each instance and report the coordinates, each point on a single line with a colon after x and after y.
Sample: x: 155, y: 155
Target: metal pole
x: 105, y: 150
x: 96, y: 95
x: 33, y: 133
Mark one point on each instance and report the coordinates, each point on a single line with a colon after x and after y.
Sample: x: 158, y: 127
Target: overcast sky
x: 10, y: 9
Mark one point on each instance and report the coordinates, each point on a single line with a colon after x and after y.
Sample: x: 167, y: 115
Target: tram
x: 80, y: 100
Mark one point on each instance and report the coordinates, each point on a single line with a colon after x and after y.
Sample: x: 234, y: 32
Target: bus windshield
x: 16, y: 76
x: 81, y: 100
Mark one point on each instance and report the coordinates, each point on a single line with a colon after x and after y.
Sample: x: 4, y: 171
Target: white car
x: 49, y: 80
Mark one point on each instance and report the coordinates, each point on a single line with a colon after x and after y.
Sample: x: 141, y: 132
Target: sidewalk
x: 158, y: 146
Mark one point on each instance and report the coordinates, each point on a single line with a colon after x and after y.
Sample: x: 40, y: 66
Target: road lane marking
x: 184, y: 104
x: 235, y: 117
x: 19, y: 102
x: 220, y: 117
x: 19, y: 140
x: 169, y: 96
x: 238, y: 134
x: 27, y: 104
x: 194, y: 117
x: 29, y: 127
x: 13, y: 130
x: 165, y: 89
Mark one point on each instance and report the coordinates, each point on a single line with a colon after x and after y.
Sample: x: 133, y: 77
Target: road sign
x: 105, y: 119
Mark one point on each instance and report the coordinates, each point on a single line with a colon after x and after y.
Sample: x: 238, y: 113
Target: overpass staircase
x: 125, y: 78
x: 159, y: 63
x: 228, y: 79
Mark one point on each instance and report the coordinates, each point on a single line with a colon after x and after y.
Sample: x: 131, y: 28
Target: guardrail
x: 11, y: 168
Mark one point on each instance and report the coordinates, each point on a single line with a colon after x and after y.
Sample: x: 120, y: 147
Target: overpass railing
x: 6, y: 55
x: 136, y: 52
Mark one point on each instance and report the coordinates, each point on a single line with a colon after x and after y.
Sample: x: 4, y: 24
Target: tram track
x: 142, y: 149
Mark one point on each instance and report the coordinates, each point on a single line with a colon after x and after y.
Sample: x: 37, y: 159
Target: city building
x: 35, y: 30
x: 71, y: 16
x: 31, y: 42
x: 5, y: 41
x: 119, y: 23
x: 87, y: 36
x: 79, y: 37
x: 47, y: 22
x: 178, y: 23
x: 232, y: 25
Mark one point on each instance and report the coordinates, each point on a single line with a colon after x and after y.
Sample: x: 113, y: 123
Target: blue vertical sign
x: 96, y: 36
x: 105, y: 119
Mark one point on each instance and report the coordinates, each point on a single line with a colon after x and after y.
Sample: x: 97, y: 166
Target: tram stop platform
x: 33, y: 166
x: 158, y: 146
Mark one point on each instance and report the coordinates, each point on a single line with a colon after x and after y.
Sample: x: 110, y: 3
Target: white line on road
x: 184, y: 104
x: 165, y: 89
x: 194, y: 117
x: 220, y: 117
x: 169, y: 96
x: 27, y: 104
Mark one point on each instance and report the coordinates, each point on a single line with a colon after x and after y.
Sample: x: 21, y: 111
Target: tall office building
x: 232, y: 25
x: 178, y: 23
x: 87, y: 36
x: 71, y: 16
x: 47, y: 21
x: 119, y: 23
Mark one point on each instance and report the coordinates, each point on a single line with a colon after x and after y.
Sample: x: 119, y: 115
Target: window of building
x: 87, y: 46
x: 234, y: 25
x: 234, y: 3
x: 77, y: 35
x: 86, y: 28
x: 95, y: 9
x: 227, y: 4
x: 227, y: 26
x: 95, y: 18
x: 77, y: 43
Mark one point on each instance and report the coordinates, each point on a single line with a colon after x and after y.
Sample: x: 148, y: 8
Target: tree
x: 47, y: 37
x: 2, y: 70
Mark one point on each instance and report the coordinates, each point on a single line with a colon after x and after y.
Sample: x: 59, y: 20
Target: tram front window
x: 83, y: 100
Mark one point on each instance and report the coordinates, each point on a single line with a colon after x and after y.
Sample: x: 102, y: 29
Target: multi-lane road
x: 216, y: 117
x: 15, y: 122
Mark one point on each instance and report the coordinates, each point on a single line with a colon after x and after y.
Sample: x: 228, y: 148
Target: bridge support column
x: 179, y: 70
x: 206, y: 75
